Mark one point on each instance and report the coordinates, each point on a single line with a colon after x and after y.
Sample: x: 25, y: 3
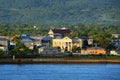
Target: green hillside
x: 60, y: 11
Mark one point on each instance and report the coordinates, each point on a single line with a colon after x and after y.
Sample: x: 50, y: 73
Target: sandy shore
x: 59, y: 61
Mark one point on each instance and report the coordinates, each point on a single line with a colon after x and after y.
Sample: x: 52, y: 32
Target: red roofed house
x: 59, y: 32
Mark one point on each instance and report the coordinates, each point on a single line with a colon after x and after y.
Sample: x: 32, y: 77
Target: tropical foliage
x: 60, y: 11
x: 20, y: 50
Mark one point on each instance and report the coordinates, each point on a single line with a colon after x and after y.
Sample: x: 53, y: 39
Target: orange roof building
x: 94, y: 50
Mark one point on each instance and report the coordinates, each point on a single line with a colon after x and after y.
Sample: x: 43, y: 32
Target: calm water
x: 60, y: 72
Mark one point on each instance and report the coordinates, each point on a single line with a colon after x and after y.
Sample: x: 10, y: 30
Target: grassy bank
x: 61, y: 59
x: 62, y: 56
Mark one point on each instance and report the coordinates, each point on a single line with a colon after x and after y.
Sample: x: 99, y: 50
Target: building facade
x: 59, y: 32
x: 48, y: 50
x: 4, y: 44
x: 65, y: 44
x: 77, y: 42
x: 116, y: 35
x: 94, y: 50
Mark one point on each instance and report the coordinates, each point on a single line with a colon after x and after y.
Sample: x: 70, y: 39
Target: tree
x: 85, y: 44
x: 1, y: 52
x: 103, y: 39
x: 20, y: 50
x: 76, y: 49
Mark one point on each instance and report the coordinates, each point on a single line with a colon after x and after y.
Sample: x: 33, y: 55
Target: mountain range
x: 60, y: 11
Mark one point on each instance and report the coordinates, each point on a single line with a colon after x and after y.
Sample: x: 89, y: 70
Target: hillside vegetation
x: 60, y: 11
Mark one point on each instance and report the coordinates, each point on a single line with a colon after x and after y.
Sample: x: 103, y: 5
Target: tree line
x: 102, y: 34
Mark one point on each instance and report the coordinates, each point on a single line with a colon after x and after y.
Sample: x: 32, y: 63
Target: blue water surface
x: 60, y: 72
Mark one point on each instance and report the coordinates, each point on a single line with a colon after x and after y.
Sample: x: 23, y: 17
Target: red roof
x: 62, y: 31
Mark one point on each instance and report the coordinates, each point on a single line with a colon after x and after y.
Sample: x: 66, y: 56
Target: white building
x: 48, y: 50
x: 116, y: 35
x: 77, y: 42
x: 114, y: 52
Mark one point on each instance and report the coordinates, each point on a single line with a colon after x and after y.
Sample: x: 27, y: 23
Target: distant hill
x: 60, y: 11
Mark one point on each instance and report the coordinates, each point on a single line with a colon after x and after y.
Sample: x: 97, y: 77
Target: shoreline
x: 59, y: 61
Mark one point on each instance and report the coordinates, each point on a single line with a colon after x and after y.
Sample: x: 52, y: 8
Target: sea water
x: 60, y: 72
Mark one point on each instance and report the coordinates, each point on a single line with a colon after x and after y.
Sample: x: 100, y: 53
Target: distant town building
x: 36, y: 40
x: 28, y: 43
x: 65, y: 44
x: 31, y: 41
x: 90, y: 41
x: 116, y: 43
x: 24, y: 36
x: 77, y: 42
x: 46, y: 41
x: 6, y: 37
x: 116, y: 35
x: 94, y: 50
x: 47, y: 50
x: 115, y: 52
x: 3, y: 48
x: 59, y: 32
x: 87, y: 40
x: 4, y: 44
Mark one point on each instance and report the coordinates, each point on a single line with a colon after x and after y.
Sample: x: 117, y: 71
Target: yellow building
x: 65, y: 44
